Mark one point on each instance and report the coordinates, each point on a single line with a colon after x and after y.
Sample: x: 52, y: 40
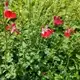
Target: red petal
x: 67, y: 34
x: 8, y: 27
x: 57, y: 20
x: 50, y: 31
x: 13, y: 29
x: 47, y: 33
x: 43, y: 35
x: 9, y: 14
x: 56, y: 17
x: 70, y: 30
x: 13, y: 24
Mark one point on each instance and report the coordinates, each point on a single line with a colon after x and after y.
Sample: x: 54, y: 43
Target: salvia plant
x: 39, y: 40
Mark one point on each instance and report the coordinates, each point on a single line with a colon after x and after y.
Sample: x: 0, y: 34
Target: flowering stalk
x: 6, y: 6
x: 8, y: 15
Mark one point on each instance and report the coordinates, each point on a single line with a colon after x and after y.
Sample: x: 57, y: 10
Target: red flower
x: 46, y: 32
x: 9, y: 14
x: 14, y: 29
x: 8, y: 27
x: 57, y: 21
x: 68, y: 32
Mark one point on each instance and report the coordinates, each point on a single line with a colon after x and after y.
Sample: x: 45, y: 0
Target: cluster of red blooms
x: 47, y: 32
x: 8, y: 14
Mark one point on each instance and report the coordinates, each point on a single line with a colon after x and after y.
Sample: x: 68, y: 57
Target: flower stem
x: 6, y: 47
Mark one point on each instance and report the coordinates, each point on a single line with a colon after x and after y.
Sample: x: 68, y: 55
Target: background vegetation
x: 28, y: 55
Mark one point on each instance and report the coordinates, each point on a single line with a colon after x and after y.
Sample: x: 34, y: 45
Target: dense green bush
x: 28, y: 56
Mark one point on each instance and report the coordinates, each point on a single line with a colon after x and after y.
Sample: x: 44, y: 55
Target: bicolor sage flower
x: 46, y: 32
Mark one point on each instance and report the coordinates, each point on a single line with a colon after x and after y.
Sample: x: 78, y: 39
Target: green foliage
x: 30, y: 57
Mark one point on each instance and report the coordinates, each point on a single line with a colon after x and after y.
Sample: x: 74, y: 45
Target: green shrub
x: 28, y: 56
